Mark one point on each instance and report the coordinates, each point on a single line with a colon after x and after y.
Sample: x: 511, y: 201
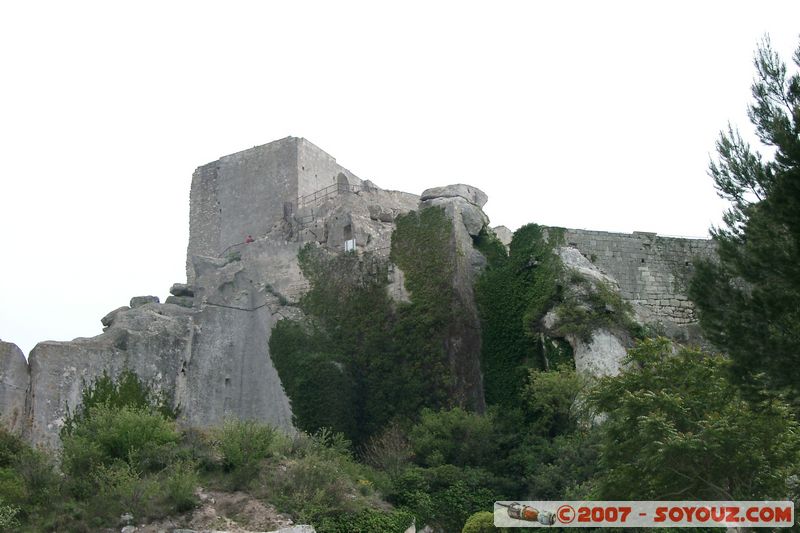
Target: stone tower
x: 248, y: 192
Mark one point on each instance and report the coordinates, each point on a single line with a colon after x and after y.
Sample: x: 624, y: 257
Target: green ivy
x: 360, y: 359
x: 587, y: 306
x: 513, y: 294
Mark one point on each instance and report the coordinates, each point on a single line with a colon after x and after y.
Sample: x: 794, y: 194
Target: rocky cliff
x: 207, y: 346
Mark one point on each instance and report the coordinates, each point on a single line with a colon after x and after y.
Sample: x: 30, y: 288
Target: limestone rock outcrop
x: 152, y: 340
x: 602, y: 351
x: 207, y: 345
x: 462, y: 205
x: 471, y: 194
x: 14, y: 381
x: 460, y: 201
x: 503, y: 234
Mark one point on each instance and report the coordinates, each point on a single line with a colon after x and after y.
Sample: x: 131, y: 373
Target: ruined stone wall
x: 246, y: 193
x: 317, y: 169
x: 204, y: 212
x: 239, y: 195
x: 252, y: 188
x: 652, y: 271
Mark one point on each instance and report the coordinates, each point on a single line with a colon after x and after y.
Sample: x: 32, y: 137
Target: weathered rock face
x: 463, y: 344
x: 503, y: 234
x: 229, y: 373
x: 14, y: 381
x: 471, y: 194
x: 208, y: 345
x: 602, y: 354
x: 152, y: 340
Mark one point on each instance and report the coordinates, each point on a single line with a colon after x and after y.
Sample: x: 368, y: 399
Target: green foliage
x: 490, y: 246
x: 121, y: 487
x: 454, y: 437
x: 550, y: 400
x: 421, y: 247
x: 747, y: 298
x: 367, y: 521
x: 119, y: 454
x: 563, y: 467
x: 554, y: 450
x: 512, y: 294
x: 10, y: 446
x: 180, y: 481
x: 676, y: 428
x: 125, y: 391
x: 389, y: 451
x: 361, y: 356
x: 445, y: 496
x: 481, y: 522
x: 586, y: 306
x: 8, y: 516
x: 317, y: 481
x: 313, y: 377
x: 105, y: 435
x: 242, y: 446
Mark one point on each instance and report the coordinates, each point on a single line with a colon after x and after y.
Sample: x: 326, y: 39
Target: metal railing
x: 325, y: 193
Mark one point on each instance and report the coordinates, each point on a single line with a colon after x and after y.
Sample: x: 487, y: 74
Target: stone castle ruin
x: 207, y: 345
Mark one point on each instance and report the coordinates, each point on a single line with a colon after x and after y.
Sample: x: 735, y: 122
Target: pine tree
x: 748, y: 300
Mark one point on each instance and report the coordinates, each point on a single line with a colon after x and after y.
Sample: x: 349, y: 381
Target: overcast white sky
x: 596, y: 115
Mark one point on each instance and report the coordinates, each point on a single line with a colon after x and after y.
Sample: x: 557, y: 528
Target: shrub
x: 122, y: 488
x: 8, y: 516
x: 126, y: 391
x: 443, y: 497
x: 481, y: 522
x: 549, y: 400
x: 676, y: 425
x: 131, y: 434
x: 318, y: 480
x: 367, y: 521
x: 38, y: 475
x: 10, y: 446
x: 179, y: 485
x: 389, y: 451
x: 242, y: 445
x: 455, y: 437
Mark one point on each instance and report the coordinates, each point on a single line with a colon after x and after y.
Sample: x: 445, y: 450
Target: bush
x: 38, y: 475
x: 389, y: 452
x: 242, y: 446
x: 318, y: 480
x: 367, y: 521
x: 126, y: 391
x: 10, y: 446
x: 179, y: 486
x: 122, y: 488
x: 482, y: 522
x: 8, y: 516
x: 104, y: 435
x: 445, y: 496
x: 550, y: 399
x: 453, y: 437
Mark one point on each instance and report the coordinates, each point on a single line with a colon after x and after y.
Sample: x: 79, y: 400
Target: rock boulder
x: 469, y: 193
